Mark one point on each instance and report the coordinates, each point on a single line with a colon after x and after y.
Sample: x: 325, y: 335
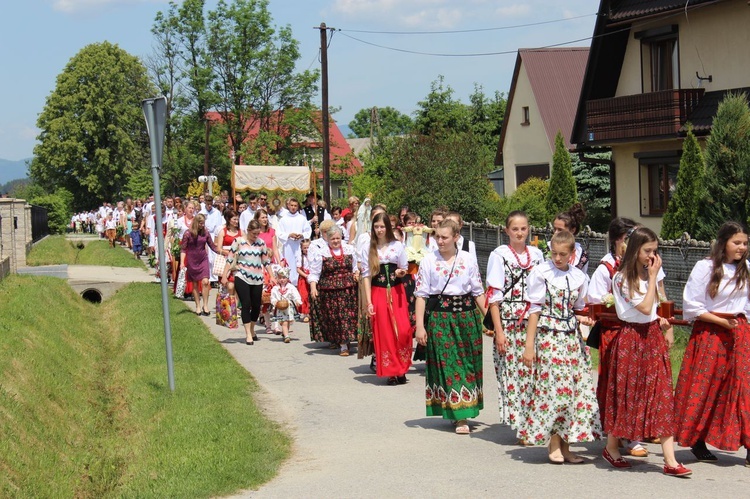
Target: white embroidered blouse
x: 434, y: 273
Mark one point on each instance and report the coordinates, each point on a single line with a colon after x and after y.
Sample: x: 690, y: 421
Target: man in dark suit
x: 315, y: 214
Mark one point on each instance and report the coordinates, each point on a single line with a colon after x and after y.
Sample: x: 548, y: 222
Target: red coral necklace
x: 340, y: 256
x: 526, y: 265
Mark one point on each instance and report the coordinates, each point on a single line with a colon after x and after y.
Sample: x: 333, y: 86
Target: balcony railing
x: 638, y: 117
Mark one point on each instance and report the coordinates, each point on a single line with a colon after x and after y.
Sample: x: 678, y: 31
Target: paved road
x: 357, y: 437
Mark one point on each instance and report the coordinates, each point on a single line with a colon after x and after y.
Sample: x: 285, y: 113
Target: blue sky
x: 39, y: 37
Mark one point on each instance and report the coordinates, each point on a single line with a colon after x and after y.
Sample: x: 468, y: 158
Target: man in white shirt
x: 249, y: 213
x: 214, y: 224
x: 170, y: 214
x: 292, y: 229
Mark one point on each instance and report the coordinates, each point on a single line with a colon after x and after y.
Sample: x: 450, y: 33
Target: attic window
x: 660, y: 58
x: 526, y: 120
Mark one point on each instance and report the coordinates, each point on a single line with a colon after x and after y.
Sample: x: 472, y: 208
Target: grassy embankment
x: 56, y: 250
x: 85, y: 410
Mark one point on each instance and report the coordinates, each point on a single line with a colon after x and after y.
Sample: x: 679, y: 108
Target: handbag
x: 488, y: 322
x: 219, y: 263
x: 594, y: 338
x: 226, y: 309
x: 433, y: 300
x: 179, y: 289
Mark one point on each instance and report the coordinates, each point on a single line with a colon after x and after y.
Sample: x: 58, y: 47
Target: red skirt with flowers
x: 730, y: 426
x: 392, y: 331
x: 639, y: 399
x: 701, y: 388
x: 610, y: 328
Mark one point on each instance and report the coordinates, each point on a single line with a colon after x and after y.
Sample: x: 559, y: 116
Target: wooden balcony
x: 640, y: 117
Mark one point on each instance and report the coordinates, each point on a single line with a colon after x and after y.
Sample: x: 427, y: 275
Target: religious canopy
x: 271, y: 178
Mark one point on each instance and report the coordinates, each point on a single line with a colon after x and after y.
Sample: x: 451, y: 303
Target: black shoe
x: 401, y: 380
x: 392, y: 381
x: 373, y: 366
x: 701, y: 453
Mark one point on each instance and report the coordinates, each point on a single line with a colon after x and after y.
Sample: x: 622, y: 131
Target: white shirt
x: 394, y: 252
x: 245, y: 218
x: 625, y: 305
x: 472, y: 248
x: 316, y: 260
x: 536, y: 289
x: 728, y: 300
x: 434, y: 273
x: 290, y: 294
x: 601, y: 282
x: 214, y: 222
x: 496, y: 267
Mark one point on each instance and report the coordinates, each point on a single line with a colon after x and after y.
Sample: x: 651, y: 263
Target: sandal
x: 462, y: 427
x: 287, y: 339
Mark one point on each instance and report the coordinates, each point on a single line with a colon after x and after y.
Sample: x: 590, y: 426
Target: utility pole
x: 324, y: 114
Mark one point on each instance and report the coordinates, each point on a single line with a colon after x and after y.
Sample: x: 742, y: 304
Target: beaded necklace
x: 526, y: 265
x: 340, y: 256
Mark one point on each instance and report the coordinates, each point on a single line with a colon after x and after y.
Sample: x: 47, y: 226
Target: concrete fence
x: 678, y: 256
x: 16, y: 236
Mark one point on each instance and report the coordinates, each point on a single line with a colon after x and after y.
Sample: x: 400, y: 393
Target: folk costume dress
x: 333, y: 271
x: 639, y: 400
x: 291, y: 295
x: 365, y: 340
x: 454, y: 336
x: 507, y: 274
x: 561, y: 397
x: 314, y: 308
x: 303, y: 262
x: 392, y: 330
x: 712, y: 402
x: 579, y: 258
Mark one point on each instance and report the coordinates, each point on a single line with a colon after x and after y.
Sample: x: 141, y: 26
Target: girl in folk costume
x: 639, y: 400
x: 449, y: 285
x: 507, y: 270
x: 314, y: 309
x: 571, y: 221
x: 386, y: 301
x: 561, y: 403
x: 303, y: 270
x: 286, y: 300
x: 226, y: 237
x: 713, y: 391
x: 599, y: 287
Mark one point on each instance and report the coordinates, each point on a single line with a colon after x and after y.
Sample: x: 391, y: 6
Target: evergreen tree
x: 592, y: 184
x: 682, y: 209
x: 727, y: 179
x: 562, y: 192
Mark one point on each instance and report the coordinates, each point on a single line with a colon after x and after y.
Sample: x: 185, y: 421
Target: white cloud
x: 73, y: 6
x: 515, y: 10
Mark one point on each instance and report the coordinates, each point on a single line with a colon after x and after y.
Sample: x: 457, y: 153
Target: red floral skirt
x: 730, y: 427
x: 609, y: 332
x: 392, y: 331
x: 639, y: 399
x: 304, y: 291
x: 701, y: 388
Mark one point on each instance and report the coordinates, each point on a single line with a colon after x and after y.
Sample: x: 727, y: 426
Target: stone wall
x: 678, y: 256
x: 15, y: 234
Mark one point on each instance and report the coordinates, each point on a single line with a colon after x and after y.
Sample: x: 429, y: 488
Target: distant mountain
x: 12, y: 170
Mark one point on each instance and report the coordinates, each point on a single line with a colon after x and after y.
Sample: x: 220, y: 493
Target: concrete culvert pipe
x: 92, y: 295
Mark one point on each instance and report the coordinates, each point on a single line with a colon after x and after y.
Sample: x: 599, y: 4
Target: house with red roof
x: 343, y: 161
x: 543, y: 100
x: 654, y: 67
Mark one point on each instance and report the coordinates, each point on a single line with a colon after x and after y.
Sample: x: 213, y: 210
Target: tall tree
x: 682, y: 209
x: 93, y: 135
x: 440, y: 111
x: 486, y: 115
x: 562, y: 192
x: 388, y: 121
x: 727, y: 167
x: 592, y: 185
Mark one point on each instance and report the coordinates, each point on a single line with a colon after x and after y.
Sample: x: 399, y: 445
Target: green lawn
x: 85, y: 410
x: 56, y: 250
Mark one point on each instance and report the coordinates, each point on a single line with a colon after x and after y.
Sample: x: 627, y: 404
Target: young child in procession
x: 286, y: 300
x: 303, y: 270
x: 507, y: 270
x: 110, y: 229
x: 560, y: 405
x: 137, y: 240
x: 639, y: 400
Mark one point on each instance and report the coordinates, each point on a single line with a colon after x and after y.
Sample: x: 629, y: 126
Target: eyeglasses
x: 263, y: 199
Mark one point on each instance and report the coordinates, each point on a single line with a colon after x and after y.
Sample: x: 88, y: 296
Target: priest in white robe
x: 291, y: 230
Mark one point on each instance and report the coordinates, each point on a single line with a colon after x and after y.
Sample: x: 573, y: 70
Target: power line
x: 477, y: 30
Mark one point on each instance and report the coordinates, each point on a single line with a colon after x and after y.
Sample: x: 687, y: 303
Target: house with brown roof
x: 654, y: 67
x: 344, y: 163
x: 543, y: 100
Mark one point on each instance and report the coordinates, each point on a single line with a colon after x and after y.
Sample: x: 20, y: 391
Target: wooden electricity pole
x: 324, y: 114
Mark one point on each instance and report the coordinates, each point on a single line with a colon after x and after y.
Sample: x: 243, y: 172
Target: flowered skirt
x: 316, y: 333
x: 730, y: 427
x: 454, y: 364
x: 640, y: 402
x: 304, y: 292
x: 513, y: 378
x: 392, y: 331
x: 561, y: 397
x: 609, y: 331
x: 365, y: 344
x: 337, y: 314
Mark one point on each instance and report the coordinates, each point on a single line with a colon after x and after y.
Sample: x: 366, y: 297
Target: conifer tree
x: 562, y: 192
x: 727, y: 179
x: 682, y: 209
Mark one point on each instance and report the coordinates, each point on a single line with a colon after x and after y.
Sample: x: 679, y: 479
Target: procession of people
x: 403, y: 292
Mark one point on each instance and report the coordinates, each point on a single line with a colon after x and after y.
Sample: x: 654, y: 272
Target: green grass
x: 85, y: 410
x: 681, y: 336
x: 56, y: 250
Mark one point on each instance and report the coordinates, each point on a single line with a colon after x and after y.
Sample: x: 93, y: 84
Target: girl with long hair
x: 387, y: 303
x: 640, y: 401
x: 571, y: 221
x: 712, y: 395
